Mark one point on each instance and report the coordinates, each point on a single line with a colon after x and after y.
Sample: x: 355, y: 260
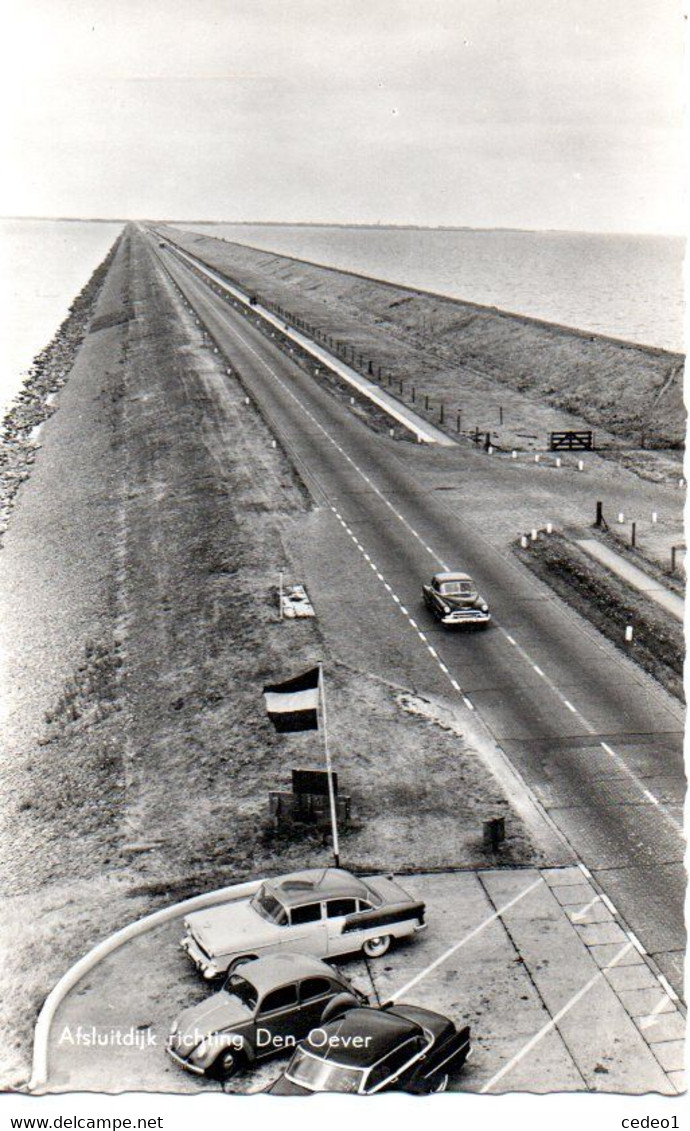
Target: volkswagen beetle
x: 261, y: 1011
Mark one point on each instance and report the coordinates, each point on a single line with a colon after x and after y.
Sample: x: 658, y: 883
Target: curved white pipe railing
x: 68, y: 981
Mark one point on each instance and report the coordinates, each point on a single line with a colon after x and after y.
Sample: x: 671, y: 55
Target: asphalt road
x: 598, y: 742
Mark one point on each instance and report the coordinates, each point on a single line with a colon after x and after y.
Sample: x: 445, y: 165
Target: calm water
x: 43, y: 265
x: 626, y: 286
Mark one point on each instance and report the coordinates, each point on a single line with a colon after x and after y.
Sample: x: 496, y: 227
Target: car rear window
x: 314, y: 987
x: 337, y: 907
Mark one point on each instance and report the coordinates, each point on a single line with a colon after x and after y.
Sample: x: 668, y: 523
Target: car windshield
x: 268, y: 907
x: 240, y: 988
x: 323, y: 1075
x: 457, y: 588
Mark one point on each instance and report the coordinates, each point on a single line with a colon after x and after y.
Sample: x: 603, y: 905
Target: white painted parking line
x: 653, y: 1018
x: 554, y: 1021
x: 463, y: 942
x: 587, y: 907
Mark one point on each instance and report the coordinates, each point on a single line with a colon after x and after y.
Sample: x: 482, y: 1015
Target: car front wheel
x: 226, y: 1065
x: 374, y: 948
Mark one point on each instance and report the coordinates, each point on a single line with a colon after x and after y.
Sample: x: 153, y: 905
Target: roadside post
x: 280, y: 593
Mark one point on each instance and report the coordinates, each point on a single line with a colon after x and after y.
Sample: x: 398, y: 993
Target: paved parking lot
x: 556, y: 993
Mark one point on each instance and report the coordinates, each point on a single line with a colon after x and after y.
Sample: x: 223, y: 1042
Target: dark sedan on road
x: 454, y: 600
x: 401, y: 1048
x: 263, y: 1011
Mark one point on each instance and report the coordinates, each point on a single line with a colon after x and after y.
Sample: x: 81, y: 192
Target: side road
x: 555, y: 990
x: 640, y: 580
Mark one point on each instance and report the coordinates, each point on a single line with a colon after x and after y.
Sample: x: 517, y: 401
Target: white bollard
x: 513, y: 455
x: 654, y: 516
x: 549, y: 528
x: 392, y: 432
x: 246, y: 400
x: 490, y: 450
x: 621, y: 516
x: 628, y: 634
x: 536, y: 457
x: 580, y: 465
x: 534, y: 534
x: 558, y: 461
x: 273, y: 444
x: 352, y: 399
x: 681, y: 482
x: 523, y: 542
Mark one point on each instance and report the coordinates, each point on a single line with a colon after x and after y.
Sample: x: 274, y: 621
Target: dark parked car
x: 401, y: 1048
x: 453, y: 599
x: 260, y: 1012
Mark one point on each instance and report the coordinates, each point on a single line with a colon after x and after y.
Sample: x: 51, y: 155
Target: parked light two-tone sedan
x: 322, y: 911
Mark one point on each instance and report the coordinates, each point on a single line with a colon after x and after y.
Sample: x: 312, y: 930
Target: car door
x: 336, y: 912
x: 390, y: 1073
x: 307, y: 931
x: 314, y: 995
x: 277, y: 1021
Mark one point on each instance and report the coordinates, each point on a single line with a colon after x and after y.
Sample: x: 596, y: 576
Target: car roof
x: 298, y: 888
x: 384, y: 1029
x: 276, y: 970
x: 455, y: 576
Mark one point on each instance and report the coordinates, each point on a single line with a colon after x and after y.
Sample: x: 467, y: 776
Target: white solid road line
x: 554, y: 1020
x: 467, y: 938
x: 670, y: 820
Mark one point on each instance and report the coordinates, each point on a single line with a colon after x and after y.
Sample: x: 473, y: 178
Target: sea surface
x: 626, y: 286
x: 43, y: 266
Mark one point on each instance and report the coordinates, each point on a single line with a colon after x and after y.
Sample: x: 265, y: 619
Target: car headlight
x: 201, y: 1049
x: 485, y: 608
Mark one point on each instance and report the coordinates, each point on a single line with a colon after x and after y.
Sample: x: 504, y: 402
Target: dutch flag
x: 293, y: 705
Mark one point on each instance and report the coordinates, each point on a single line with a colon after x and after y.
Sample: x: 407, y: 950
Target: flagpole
x: 329, y: 770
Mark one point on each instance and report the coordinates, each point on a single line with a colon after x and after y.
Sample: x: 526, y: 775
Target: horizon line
x: 348, y: 224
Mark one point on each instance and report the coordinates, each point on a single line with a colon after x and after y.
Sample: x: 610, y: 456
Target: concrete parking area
x: 558, y: 996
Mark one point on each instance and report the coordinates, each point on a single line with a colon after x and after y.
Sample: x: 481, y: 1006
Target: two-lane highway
x: 599, y: 743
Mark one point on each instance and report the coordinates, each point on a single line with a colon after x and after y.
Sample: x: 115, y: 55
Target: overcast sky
x: 513, y: 113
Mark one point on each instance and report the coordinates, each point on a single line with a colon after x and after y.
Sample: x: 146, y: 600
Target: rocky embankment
x: 34, y: 404
x: 467, y: 356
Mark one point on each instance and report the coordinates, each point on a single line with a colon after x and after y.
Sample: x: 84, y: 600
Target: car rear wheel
x: 438, y: 1084
x: 374, y: 948
x: 226, y: 1065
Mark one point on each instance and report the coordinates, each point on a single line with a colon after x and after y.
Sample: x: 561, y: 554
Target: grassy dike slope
x: 140, y: 571
x: 443, y: 345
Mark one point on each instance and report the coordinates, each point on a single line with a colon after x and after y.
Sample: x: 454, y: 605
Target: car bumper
x: 466, y: 616
x: 202, y: 962
x: 179, y: 1060
x: 420, y: 927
